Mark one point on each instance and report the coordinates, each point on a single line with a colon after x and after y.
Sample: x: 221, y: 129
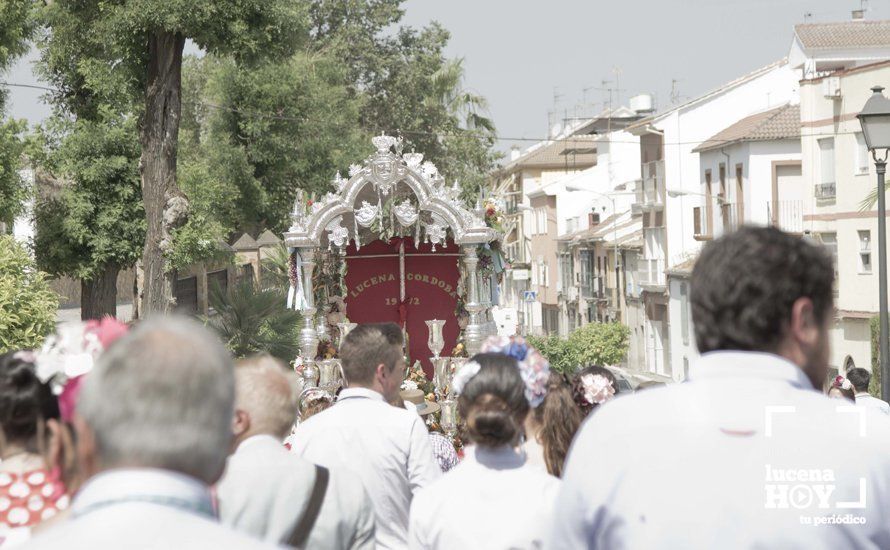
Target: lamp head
x: 875, y: 120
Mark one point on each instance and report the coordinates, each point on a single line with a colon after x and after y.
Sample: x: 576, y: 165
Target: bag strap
x: 300, y: 534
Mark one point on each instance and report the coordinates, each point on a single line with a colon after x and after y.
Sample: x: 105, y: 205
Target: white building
x: 529, y: 288
x: 671, y: 192
x: 819, y: 49
x: 840, y: 175
x: 750, y: 173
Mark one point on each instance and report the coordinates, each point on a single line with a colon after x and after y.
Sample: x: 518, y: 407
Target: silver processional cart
x: 422, y: 205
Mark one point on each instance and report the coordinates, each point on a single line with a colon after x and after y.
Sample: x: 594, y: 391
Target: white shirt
x: 142, y: 509
x: 865, y: 399
x: 534, y: 453
x: 705, y: 464
x: 266, y: 489
x: 492, y: 500
x: 387, y: 447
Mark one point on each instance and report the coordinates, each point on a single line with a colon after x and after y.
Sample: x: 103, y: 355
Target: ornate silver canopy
x: 384, y: 171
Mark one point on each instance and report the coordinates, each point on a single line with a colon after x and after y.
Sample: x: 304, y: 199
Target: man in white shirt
x: 860, y: 379
x: 387, y: 447
x: 153, y: 428
x: 747, y: 453
x: 266, y: 491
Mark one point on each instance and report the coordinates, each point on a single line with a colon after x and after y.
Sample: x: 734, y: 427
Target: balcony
x: 825, y: 191
x: 651, y: 192
x: 786, y: 215
x: 729, y: 217
x: 651, y: 274
x: 633, y: 290
x: 701, y: 225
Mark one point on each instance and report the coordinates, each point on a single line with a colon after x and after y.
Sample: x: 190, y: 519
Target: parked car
x: 625, y: 385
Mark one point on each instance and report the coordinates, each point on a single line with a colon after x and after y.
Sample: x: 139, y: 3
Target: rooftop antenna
x: 616, y: 70
x: 808, y: 17
x: 675, y: 91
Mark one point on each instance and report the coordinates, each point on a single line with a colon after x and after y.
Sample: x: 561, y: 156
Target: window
x: 826, y: 160
x: 541, y: 220
x: 864, y: 251
x: 218, y: 281
x: 684, y: 313
x: 739, y: 194
x: 861, y: 155
x: 586, y: 273
x: 708, y: 220
x: 829, y: 241
x: 566, y: 268
x: 185, y: 291
x: 571, y: 225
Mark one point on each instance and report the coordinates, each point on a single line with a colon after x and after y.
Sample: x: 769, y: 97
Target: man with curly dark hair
x: 748, y: 453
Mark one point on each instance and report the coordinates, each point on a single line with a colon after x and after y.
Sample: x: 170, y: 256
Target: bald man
x: 273, y: 494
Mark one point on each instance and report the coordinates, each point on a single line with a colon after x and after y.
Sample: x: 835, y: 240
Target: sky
x: 531, y: 58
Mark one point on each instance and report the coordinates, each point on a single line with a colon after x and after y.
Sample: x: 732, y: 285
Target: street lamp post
x: 875, y: 121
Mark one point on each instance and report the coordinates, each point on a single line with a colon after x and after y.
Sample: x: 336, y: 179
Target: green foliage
x: 276, y: 267
x: 16, y: 26
x: 96, y: 52
x: 557, y: 351
x: 874, y: 385
x: 27, y: 305
x: 250, y: 320
x: 600, y: 343
x: 268, y: 156
x: 97, y: 219
x: 13, y: 190
x: 593, y: 344
x: 411, y: 88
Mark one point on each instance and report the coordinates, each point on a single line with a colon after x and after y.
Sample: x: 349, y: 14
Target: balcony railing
x: 651, y: 272
x: 633, y: 289
x: 701, y: 229
x: 652, y: 185
x: 824, y: 191
x: 786, y: 215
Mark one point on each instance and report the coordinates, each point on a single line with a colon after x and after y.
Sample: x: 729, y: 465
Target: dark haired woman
x: 841, y: 388
x: 551, y: 426
x: 493, y: 499
x: 29, y: 492
x: 593, y: 386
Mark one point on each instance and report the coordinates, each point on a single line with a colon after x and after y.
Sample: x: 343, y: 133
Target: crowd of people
x: 152, y: 436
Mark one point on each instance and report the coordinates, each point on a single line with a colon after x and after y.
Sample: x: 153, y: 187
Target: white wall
x: 851, y: 338
x: 683, y: 352
x: 686, y: 127
x: 618, y: 162
x: 757, y: 160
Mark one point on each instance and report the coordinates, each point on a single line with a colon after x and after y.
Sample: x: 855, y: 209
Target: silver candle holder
x: 448, y: 416
x: 329, y: 375
x: 442, y: 376
x: 436, y: 340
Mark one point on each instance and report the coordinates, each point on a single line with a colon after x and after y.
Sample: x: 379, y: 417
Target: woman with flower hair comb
x: 38, y: 395
x: 593, y: 386
x: 841, y: 388
x: 493, y: 499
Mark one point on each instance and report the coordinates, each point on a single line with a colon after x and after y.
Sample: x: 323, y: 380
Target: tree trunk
x: 98, y: 296
x: 165, y: 206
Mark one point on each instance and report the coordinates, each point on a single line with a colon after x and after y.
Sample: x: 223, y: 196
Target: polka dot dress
x: 27, y: 499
